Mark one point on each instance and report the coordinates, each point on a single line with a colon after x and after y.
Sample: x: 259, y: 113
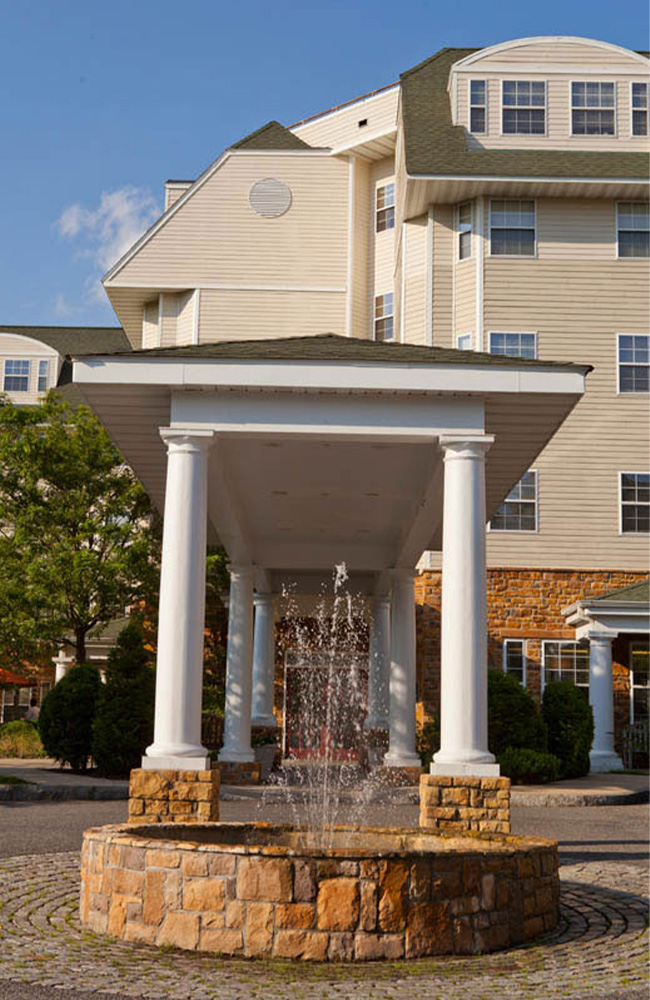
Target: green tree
x: 77, y: 543
x: 67, y: 713
x: 513, y: 717
x: 570, y: 721
x: 123, y: 725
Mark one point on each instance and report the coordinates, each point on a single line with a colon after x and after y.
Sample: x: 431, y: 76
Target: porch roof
x: 624, y: 610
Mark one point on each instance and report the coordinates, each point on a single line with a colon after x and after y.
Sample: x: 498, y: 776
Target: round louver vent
x: 270, y: 198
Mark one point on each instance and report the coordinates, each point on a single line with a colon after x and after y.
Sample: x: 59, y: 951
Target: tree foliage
x: 76, y: 541
x: 570, y: 721
x: 67, y: 713
x: 513, y: 717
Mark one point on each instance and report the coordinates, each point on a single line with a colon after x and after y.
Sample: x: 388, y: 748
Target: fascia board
x: 526, y: 180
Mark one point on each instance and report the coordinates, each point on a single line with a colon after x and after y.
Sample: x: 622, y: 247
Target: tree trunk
x: 80, y: 645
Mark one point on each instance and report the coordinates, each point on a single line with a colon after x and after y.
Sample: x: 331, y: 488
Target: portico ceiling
x: 329, y: 454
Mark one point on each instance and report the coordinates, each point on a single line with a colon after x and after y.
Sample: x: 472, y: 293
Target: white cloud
x: 105, y: 233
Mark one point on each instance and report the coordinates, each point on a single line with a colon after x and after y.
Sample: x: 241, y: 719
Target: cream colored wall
x: 173, y: 192
x: 548, y: 52
x: 252, y: 315
x: 185, y: 321
x: 363, y: 238
x: 150, y: 325
x: 414, y: 252
x: 443, y: 275
x: 341, y: 127
x: 169, y: 316
x: 19, y: 348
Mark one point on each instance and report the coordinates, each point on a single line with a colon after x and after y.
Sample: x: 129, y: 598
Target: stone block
x: 259, y: 929
x: 235, y: 913
x: 223, y: 942
x: 338, y: 904
x: 163, y: 859
x: 428, y: 930
x: 369, y: 869
x: 420, y: 883
x: 370, y: 947
x: 488, y: 888
x: 393, y: 879
x: 454, y: 796
x: 304, y: 881
x: 145, y: 784
x: 463, y: 936
x: 139, y: 933
x: 445, y: 885
x: 194, y: 864
x: 127, y: 882
x: 341, y: 948
x: 214, y: 921
x: 268, y: 879
x: 301, y: 944
x: 222, y: 864
x: 204, y: 894
x: 295, y: 915
x: 180, y: 930
x: 368, y: 906
x: 116, y: 916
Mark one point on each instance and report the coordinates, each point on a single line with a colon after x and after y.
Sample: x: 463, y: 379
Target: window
x: 24, y: 697
x: 385, y: 207
x: 43, y: 375
x: 384, y: 316
x: 566, y: 661
x: 514, y: 345
x: 639, y: 680
x: 465, y: 342
x: 465, y: 230
x: 633, y: 363
x: 639, y: 109
x: 478, y: 106
x: 16, y: 376
x: 635, y: 502
x: 524, y: 107
x: 512, y: 228
x: 514, y: 659
x: 592, y: 108
x: 518, y: 512
x: 633, y: 229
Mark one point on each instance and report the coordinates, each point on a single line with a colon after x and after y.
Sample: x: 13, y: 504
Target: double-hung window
x: 514, y: 659
x: 593, y: 108
x: 514, y: 345
x: 633, y: 228
x: 16, y: 376
x: 465, y: 230
x: 518, y: 512
x: 524, y: 107
x: 639, y: 109
x: 43, y: 375
x: 512, y: 228
x: 633, y: 363
x: 478, y: 106
x: 635, y: 502
x: 385, y: 207
x: 384, y: 316
x: 566, y: 661
x: 639, y: 680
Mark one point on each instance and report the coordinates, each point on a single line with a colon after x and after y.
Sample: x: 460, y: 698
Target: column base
x: 601, y: 761
x: 397, y: 759
x: 174, y: 796
x: 467, y: 770
x: 227, y: 756
x: 174, y: 762
x: 265, y: 721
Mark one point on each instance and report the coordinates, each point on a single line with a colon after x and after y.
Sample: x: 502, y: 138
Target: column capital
x: 239, y: 571
x: 601, y: 638
x: 186, y: 439
x: 465, y: 446
x: 263, y: 599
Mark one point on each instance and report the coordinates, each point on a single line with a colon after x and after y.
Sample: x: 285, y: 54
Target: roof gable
x: 271, y: 136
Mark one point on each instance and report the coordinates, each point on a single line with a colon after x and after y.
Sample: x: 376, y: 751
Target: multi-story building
x: 494, y: 201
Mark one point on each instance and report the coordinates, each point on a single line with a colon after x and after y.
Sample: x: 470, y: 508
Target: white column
x: 263, y: 661
x: 239, y: 664
x: 463, y: 668
x: 401, y: 740
x: 62, y: 664
x: 181, y: 613
x: 379, y: 664
x: 603, y: 757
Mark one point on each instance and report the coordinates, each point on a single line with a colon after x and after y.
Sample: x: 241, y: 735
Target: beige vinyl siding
x: 363, y: 237
x: 19, y: 348
x: 415, y: 284
x: 577, y: 306
x: 173, y: 192
x: 150, y: 325
x: 576, y: 228
x: 216, y: 237
x: 341, y: 127
x: 548, y: 52
x: 443, y: 275
x: 185, y: 321
x: 382, y: 255
x: 465, y: 296
x: 169, y: 317
x: 241, y: 315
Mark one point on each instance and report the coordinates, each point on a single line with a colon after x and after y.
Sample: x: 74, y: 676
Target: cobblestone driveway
x: 599, y: 950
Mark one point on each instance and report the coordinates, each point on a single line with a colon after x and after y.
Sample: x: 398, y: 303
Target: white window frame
x: 376, y: 318
x: 460, y: 336
x: 633, y: 134
x: 6, y: 374
x: 628, y: 364
x: 561, y: 642
x: 628, y: 534
x: 531, y: 107
x: 527, y: 333
x: 380, y: 187
x: 624, y: 201
x: 486, y: 83
x: 520, y: 531
x: 513, y: 256
x: 46, y: 375
x: 633, y: 643
x: 459, y: 259
x: 524, y: 658
x: 593, y: 135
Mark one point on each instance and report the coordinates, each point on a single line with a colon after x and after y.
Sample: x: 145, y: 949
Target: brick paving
x: 599, y: 950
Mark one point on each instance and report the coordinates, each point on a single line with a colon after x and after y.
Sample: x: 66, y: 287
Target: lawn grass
x: 8, y: 779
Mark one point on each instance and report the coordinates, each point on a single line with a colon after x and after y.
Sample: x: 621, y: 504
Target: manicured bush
x: 513, y: 717
x: 67, y: 714
x: 428, y: 741
x: 20, y: 739
x: 123, y: 726
x: 570, y: 724
x: 528, y: 767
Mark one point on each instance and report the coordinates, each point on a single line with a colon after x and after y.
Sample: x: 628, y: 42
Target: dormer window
x: 524, y: 107
x: 43, y: 376
x: 592, y: 108
x: 478, y: 106
x: 639, y: 109
x: 16, y: 376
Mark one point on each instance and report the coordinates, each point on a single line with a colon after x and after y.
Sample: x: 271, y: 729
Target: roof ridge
x: 436, y: 55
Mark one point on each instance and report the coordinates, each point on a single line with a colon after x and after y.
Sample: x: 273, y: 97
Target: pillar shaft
x: 603, y: 757
x: 463, y: 681
x: 263, y: 661
x: 239, y: 669
x: 401, y: 743
x: 179, y: 670
x: 379, y: 664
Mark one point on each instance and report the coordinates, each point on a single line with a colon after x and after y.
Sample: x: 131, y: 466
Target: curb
x: 557, y: 799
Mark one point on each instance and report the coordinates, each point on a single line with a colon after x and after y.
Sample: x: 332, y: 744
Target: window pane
x: 519, y: 242
x: 523, y: 121
x: 634, y: 379
x: 477, y: 120
x: 465, y: 246
x: 464, y: 342
x: 477, y: 92
x: 593, y: 122
x: 633, y: 244
x: 639, y: 123
x: 639, y: 95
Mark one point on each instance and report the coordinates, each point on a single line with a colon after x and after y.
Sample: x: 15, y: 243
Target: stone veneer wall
x: 173, y: 796
x: 460, y: 804
x: 457, y: 895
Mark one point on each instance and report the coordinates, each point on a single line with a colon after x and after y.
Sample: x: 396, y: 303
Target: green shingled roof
x: 433, y: 145
x: 271, y: 136
x: 636, y: 593
x: 333, y: 347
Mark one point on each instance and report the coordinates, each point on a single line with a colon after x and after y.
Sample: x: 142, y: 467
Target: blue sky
x: 101, y: 103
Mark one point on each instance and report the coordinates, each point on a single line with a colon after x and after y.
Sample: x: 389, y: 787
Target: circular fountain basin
x: 364, y: 893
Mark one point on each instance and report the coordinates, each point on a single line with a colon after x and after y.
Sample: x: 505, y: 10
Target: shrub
x: 570, y: 723
x: 123, y: 726
x: 513, y: 717
x: 528, y: 767
x: 20, y: 739
x: 427, y: 742
x: 67, y: 714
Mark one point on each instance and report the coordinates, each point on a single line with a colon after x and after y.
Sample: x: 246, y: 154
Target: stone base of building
x: 396, y: 777
x: 239, y: 772
x: 463, y: 805
x: 174, y: 796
